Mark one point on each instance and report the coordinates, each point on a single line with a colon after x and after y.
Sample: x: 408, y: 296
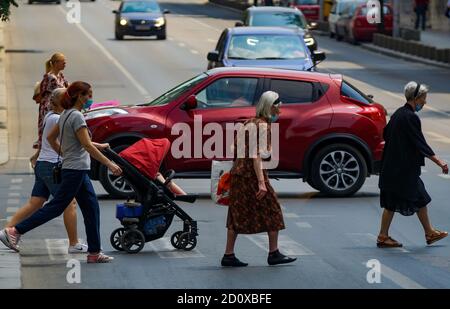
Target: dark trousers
x: 75, y: 184
x: 421, y: 15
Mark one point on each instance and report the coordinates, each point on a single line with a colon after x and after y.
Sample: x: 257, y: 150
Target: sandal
x: 435, y: 236
x: 387, y: 242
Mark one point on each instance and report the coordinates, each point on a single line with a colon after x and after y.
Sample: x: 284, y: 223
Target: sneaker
x: 232, y: 261
x: 99, y: 258
x: 9, y: 237
x: 276, y: 258
x: 78, y: 248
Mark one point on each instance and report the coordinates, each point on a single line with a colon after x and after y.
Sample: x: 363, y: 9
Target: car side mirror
x: 239, y: 24
x: 166, y: 12
x: 319, y: 56
x: 213, y: 56
x: 313, y: 26
x: 370, y: 96
x: 191, y: 103
x: 115, y: 11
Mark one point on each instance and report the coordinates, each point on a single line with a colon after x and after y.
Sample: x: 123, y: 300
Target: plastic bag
x: 220, y: 182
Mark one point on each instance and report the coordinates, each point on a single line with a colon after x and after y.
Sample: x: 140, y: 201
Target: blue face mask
x: 418, y: 107
x: 273, y: 118
x: 88, y: 104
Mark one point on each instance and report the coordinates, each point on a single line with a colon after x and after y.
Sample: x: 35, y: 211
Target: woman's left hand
x: 262, y: 190
x: 101, y: 146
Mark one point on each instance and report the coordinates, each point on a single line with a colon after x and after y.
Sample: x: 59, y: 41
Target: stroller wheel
x: 115, y: 237
x: 132, y: 241
x: 187, y: 241
x: 175, y: 240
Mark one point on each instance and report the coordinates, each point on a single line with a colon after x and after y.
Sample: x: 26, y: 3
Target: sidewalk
x: 4, y: 150
x: 438, y: 39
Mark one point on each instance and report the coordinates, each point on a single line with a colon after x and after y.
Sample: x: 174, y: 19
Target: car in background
x: 339, y: 8
x: 140, y: 18
x: 310, y: 8
x: 354, y: 27
x: 330, y: 133
x: 273, y: 47
x: 272, y: 16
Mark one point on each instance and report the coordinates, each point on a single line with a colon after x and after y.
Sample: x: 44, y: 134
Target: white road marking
x: 399, y: 279
x: 165, y: 250
x: 303, y: 225
x: 13, y: 194
x: 171, y: 39
x: 438, y: 137
x: 211, y: 41
x: 445, y: 176
x: 194, y: 51
x: 316, y: 216
x: 12, y: 209
x: 290, y: 215
x: 9, y: 218
x: 57, y: 249
x: 400, y: 97
x: 9, y: 269
x: 13, y: 201
x: 108, y: 55
x: 16, y: 180
x: 181, y: 44
x: 423, y: 170
x: 286, y: 244
x: 15, y: 187
x: 368, y: 239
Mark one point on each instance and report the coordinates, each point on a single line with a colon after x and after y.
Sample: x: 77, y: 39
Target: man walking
x: 421, y: 8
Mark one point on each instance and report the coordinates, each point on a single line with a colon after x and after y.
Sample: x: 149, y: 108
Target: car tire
x: 58, y: 2
x: 118, y: 36
x: 161, y: 36
x: 30, y: 1
x: 115, y: 186
x: 338, y: 170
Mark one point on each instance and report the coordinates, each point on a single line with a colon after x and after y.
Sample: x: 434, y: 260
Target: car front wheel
x: 338, y: 170
x: 116, y: 186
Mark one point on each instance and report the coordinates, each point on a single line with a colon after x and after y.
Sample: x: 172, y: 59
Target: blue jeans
x: 421, y: 15
x: 43, y: 181
x: 75, y: 184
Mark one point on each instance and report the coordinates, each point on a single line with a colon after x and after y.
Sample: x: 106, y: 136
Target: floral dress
x: 246, y: 214
x: 49, y: 83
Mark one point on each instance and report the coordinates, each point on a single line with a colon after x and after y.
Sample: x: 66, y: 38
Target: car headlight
x: 309, y: 41
x: 159, y: 22
x: 123, y: 22
x: 104, y: 113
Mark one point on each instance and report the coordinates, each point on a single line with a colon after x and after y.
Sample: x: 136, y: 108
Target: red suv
x: 309, y: 8
x: 330, y: 132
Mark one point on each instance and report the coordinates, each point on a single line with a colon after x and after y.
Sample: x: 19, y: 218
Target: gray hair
x: 263, y: 109
x: 410, y: 90
x: 55, y: 96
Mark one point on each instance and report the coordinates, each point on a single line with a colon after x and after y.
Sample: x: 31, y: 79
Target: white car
x: 338, y: 8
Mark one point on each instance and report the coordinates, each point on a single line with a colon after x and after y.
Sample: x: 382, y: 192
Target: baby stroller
x: 149, y: 217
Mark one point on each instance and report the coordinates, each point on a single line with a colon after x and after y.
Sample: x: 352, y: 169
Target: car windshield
x: 264, y: 46
x: 140, y: 7
x: 177, y: 91
x: 278, y: 19
x: 306, y: 2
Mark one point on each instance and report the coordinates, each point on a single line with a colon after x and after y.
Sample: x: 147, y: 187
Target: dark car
x: 330, y: 133
x: 272, y: 47
x: 271, y: 16
x: 140, y: 18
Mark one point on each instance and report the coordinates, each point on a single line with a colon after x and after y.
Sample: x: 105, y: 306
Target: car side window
x: 348, y: 90
x: 228, y: 92
x: 292, y: 91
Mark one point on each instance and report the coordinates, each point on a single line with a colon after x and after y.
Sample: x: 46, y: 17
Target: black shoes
x: 276, y: 258
x: 233, y: 261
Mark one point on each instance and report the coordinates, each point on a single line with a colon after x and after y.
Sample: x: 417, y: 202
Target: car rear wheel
x: 118, y: 36
x: 116, y: 186
x: 338, y: 170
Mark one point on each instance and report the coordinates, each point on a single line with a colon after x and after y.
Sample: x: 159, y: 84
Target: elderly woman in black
x: 402, y: 190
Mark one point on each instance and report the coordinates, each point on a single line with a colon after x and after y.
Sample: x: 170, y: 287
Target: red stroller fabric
x: 147, y: 155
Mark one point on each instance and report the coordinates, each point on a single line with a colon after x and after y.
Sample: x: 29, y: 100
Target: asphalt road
x: 333, y: 238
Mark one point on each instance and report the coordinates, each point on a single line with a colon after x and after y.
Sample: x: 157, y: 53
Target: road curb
x: 4, y: 146
x: 396, y: 54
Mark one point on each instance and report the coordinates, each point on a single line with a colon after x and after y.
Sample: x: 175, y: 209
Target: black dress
x: 405, y: 150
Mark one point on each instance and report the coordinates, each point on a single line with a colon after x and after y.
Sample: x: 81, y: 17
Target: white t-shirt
x: 47, y: 153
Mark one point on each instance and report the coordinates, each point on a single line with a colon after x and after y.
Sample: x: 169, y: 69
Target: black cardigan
x: 404, y: 153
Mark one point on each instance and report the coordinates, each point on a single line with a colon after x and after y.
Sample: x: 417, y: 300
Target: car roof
x: 273, y: 9
x: 267, y: 30
x: 272, y: 72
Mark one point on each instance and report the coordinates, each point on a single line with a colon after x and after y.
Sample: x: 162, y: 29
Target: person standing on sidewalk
x: 43, y: 164
x: 76, y: 146
x: 254, y: 207
x: 402, y: 190
x: 53, y: 78
x: 421, y: 8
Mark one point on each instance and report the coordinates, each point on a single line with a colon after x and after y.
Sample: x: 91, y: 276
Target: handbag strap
x: 62, y: 134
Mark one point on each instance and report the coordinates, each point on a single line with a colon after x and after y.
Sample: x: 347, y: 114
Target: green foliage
x: 4, y: 9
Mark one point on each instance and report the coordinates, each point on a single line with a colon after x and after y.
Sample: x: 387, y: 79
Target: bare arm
x: 52, y: 138
x: 440, y: 163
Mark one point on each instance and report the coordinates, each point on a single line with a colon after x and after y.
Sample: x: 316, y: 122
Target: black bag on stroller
x: 152, y: 212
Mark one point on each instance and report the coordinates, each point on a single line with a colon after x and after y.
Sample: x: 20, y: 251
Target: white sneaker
x: 78, y: 248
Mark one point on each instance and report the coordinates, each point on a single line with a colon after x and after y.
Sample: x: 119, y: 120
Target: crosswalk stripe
x: 16, y: 180
x: 286, y: 244
x: 399, y: 279
x: 13, y: 194
x: 445, y: 176
x: 12, y: 201
x: 15, y: 187
x: 165, y: 250
x: 303, y: 225
x: 368, y: 239
x: 57, y: 249
x: 12, y: 209
x: 290, y: 215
